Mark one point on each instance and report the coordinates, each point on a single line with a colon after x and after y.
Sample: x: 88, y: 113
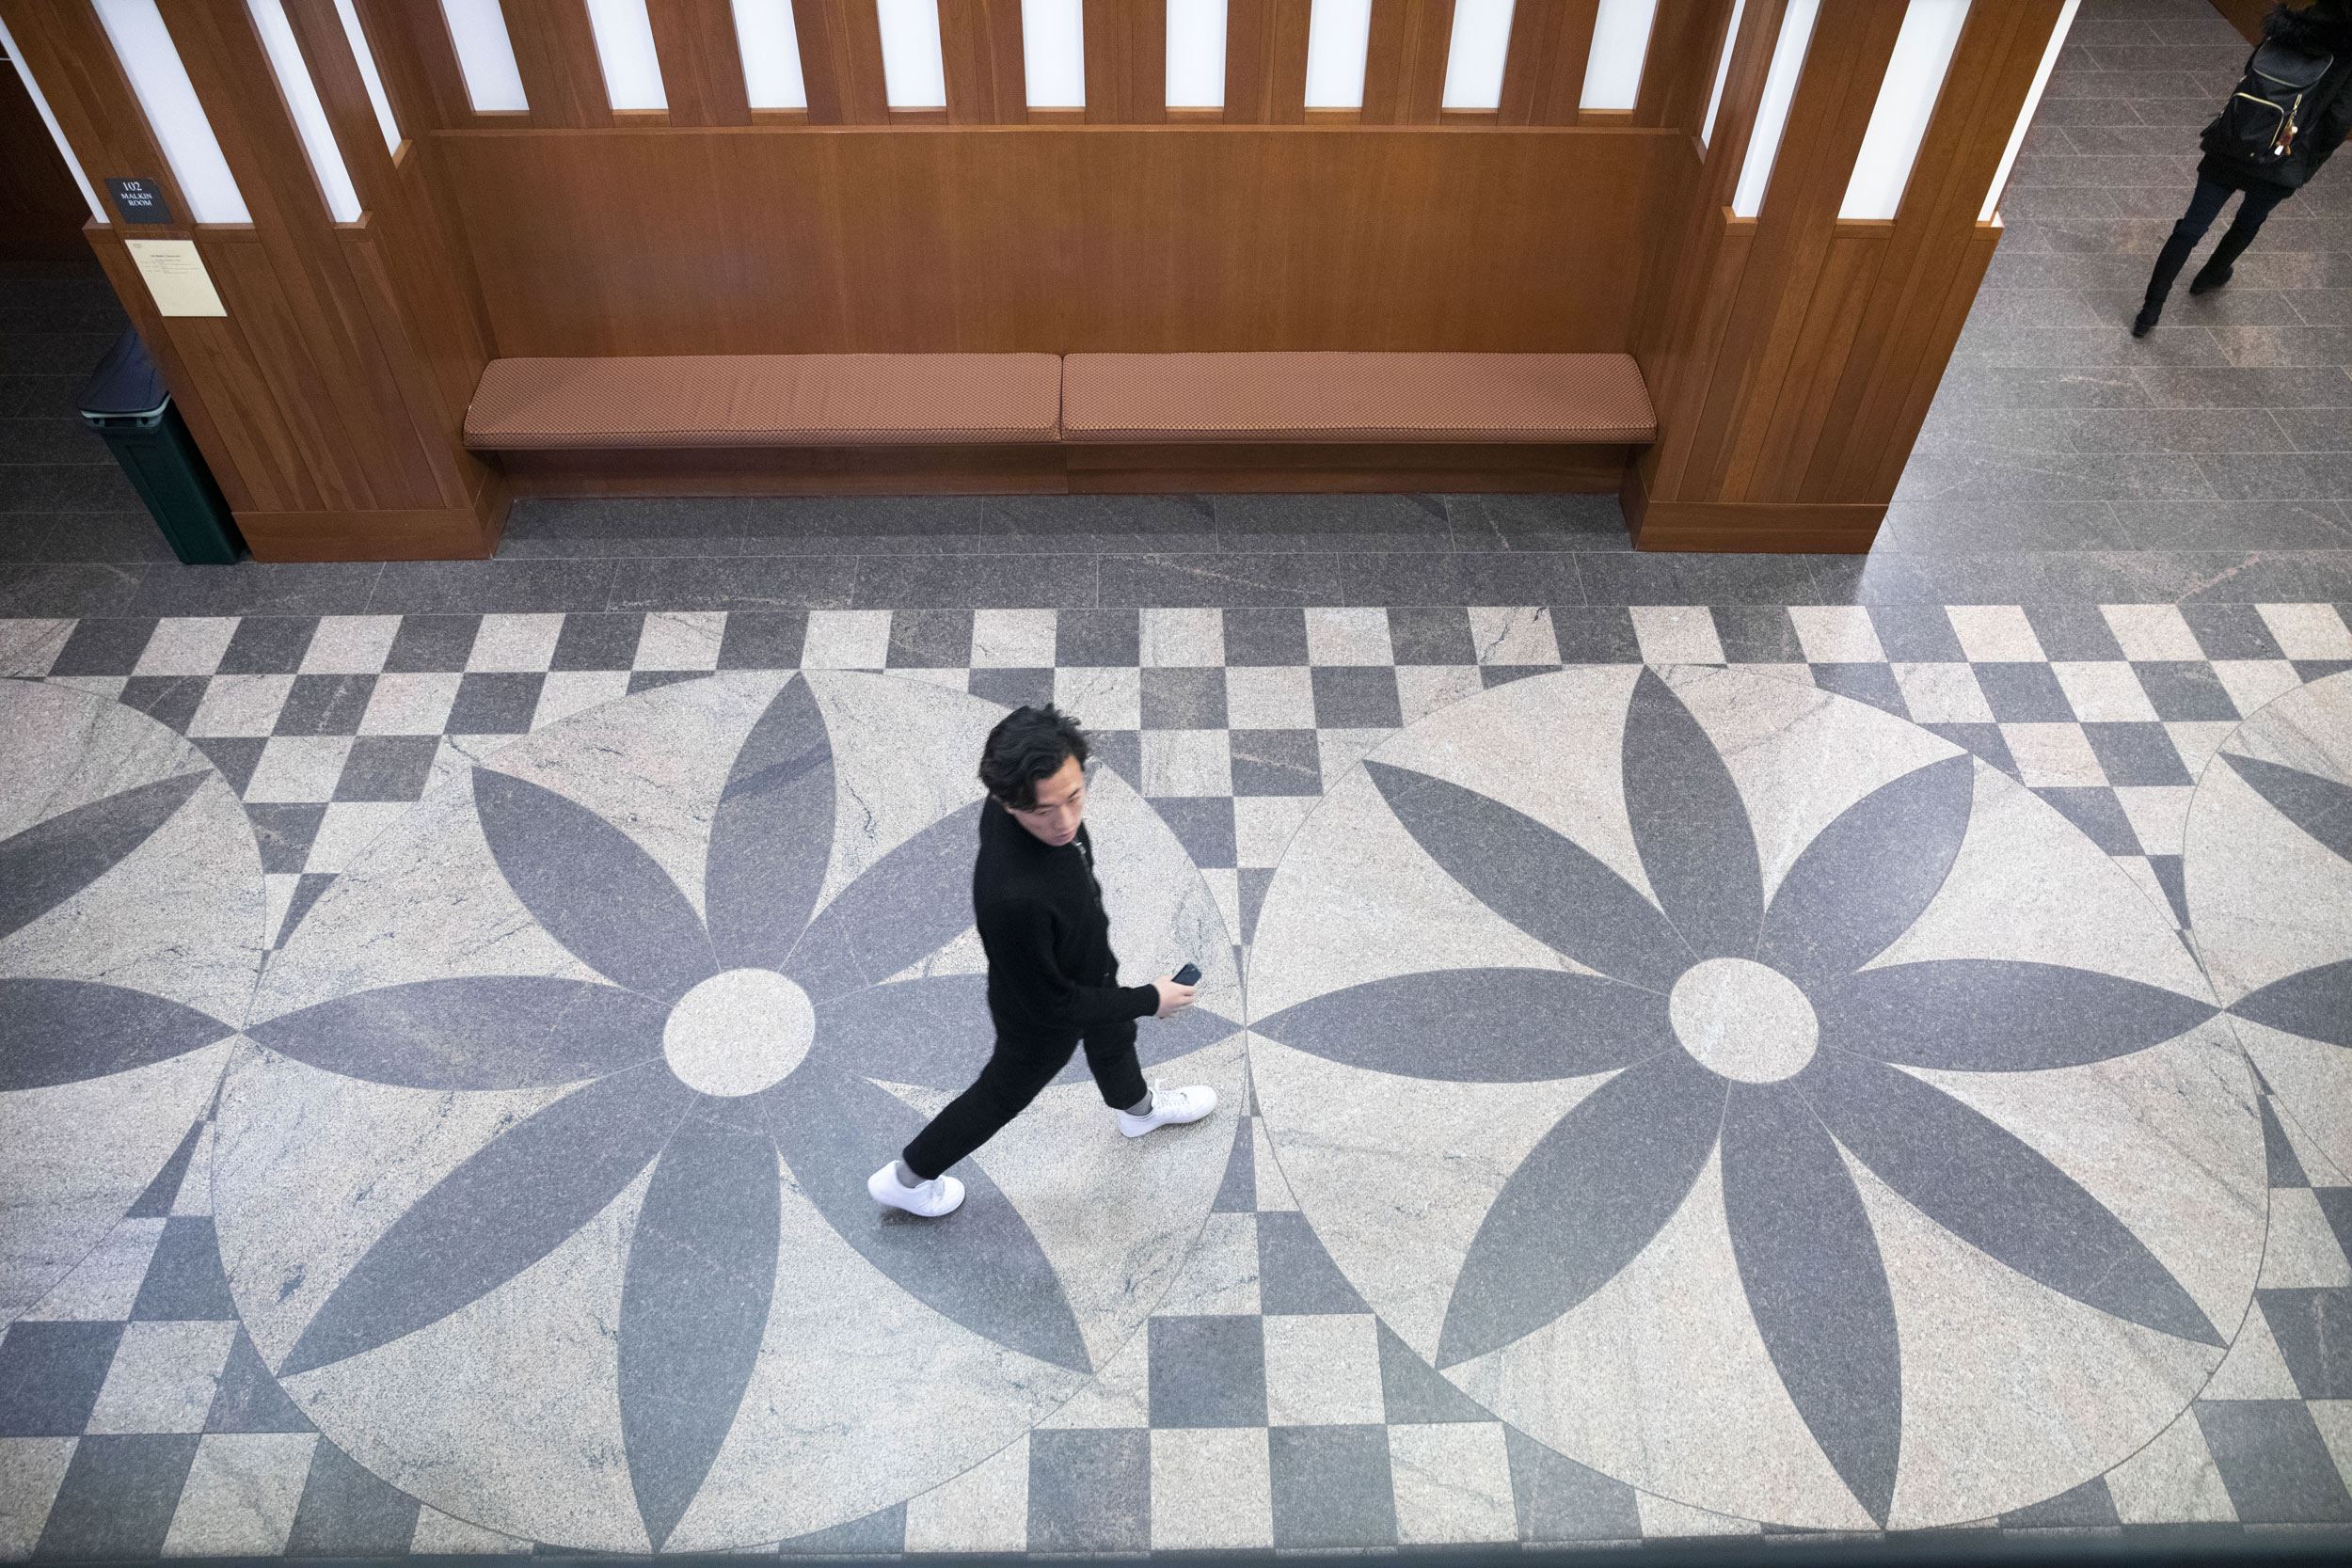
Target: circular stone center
x: 737, y: 1033
x: 1744, y: 1020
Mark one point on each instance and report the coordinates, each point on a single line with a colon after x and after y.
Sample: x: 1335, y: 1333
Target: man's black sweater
x: 1051, y: 971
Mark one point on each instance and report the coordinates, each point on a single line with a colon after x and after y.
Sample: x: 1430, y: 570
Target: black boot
x: 2211, y: 276
x: 2145, y: 322
x: 2169, y: 260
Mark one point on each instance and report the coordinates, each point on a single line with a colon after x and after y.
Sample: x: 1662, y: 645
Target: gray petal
x: 1548, y: 886
x: 1815, y: 1284
x: 490, y: 1032
x: 2315, y: 1003
x: 1691, y: 826
x: 516, y: 1199
x: 1997, y: 1015
x: 912, y: 901
x: 2321, y: 807
x: 66, y: 1031
x: 1589, y: 1196
x: 771, y: 835
x: 1994, y: 1191
x: 592, y: 887
x: 50, y: 862
x: 1867, y: 876
x: 702, y: 1267
x: 980, y: 1266
x: 1480, y: 1026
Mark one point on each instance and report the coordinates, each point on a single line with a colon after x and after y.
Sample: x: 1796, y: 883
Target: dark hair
x: 1027, y: 747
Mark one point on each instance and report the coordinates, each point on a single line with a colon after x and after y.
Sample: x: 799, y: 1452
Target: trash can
x: 126, y: 403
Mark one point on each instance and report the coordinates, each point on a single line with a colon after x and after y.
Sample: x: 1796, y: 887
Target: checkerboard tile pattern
x: 1264, y: 1405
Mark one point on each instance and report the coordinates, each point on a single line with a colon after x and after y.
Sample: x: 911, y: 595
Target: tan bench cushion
x: 759, y: 400
x: 1354, y: 397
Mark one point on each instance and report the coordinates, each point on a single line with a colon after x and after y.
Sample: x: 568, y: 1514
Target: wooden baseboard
x: 437, y: 533
x: 1243, y: 469
x: 1746, y: 527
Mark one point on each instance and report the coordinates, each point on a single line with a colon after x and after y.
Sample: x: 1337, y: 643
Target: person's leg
x: 1017, y: 1072
x: 1111, y: 1057
x: 2252, y: 213
x: 2203, y: 208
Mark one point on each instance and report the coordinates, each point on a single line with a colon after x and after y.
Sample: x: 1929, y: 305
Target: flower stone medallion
x: 542, y: 1185
x: 2268, y: 868
x: 131, y: 930
x: 1757, y: 1097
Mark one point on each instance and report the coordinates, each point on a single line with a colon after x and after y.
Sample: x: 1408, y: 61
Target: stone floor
x: 1709, y: 1045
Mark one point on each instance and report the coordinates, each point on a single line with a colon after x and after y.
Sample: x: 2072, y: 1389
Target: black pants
x: 2206, y: 205
x: 1016, y: 1073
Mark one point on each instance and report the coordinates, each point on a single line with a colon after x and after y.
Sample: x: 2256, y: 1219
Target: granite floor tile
x: 1091, y: 1491
x: 474, y: 587
x: 50, y: 1374
x: 118, y: 1498
x: 1207, y: 1371
x: 988, y: 581
x: 129, y: 537
x: 1225, y: 579
x: 2273, y: 1460
x: 1332, y: 1487
x: 345, y: 1512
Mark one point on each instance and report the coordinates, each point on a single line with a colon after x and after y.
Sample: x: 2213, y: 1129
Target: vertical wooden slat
x: 701, y: 67
x: 841, y: 61
x: 980, y: 44
x: 343, y: 94
x: 1686, y: 38
x: 418, y: 65
x: 555, y: 50
x: 1126, y: 62
x: 70, y: 56
x: 1265, y: 61
x: 1405, y: 61
x: 1542, y: 76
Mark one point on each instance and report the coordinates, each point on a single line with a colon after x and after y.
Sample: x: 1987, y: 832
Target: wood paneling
x: 1126, y: 62
x: 555, y: 50
x: 2245, y: 15
x: 979, y: 42
x: 41, y: 210
x: 1542, y: 76
x: 1405, y: 61
x: 69, y: 56
x: 1434, y: 468
x: 1061, y: 240
x: 1686, y: 38
x: 437, y: 533
x: 1266, y: 62
x: 418, y: 64
x: 841, y: 61
x: 1742, y: 526
x: 702, y: 67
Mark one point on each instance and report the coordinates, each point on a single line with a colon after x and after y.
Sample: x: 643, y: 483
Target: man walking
x: 1053, y: 980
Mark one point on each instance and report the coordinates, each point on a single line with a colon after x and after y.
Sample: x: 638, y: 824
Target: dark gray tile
x: 184, y: 1282
x: 1277, y: 762
x: 2314, y: 429
x: 79, y: 537
x: 2136, y: 754
x: 2170, y: 430
x: 2023, y: 693
x: 268, y: 645
x: 432, y: 643
x: 1557, y: 521
x: 597, y: 639
x: 104, y: 645
x: 1204, y: 826
x: 1979, y: 477
x: 65, y: 487
x: 248, y: 1399
x: 453, y: 587
x: 1012, y: 688
x: 2285, y: 1169
x: 1595, y: 634
x: 1265, y: 523
x: 1237, y: 1193
x: 2088, y: 1504
x: 1964, y: 527
x: 1181, y: 581
x: 1207, y: 1371
x: 763, y: 639
x: 1431, y: 635
x: 1091, y: 1491
x: 881, y: 1534
x: 1121, y: 750
x: 2095, y: 810
x: 1183, y: 699
x: 647, y: 680
x: 169, y: 700
x: 1915, y: 634
x: 1331, y: 1487
x: 2185, y: 690
x: 1267, y: 636
x: 306, y: 889
x: 2027, y: 387
x: 1697, y: 580
x: 387, y: 767
x: 1356, y: 696
x: 973, y: 582
x: 1757, y: 634
x: 2308, y: 1326
x: 1874, y: 684
x: 32, y: 394
x: 1487, y: 578
x: 284, y: 832
x: 2072, y: 633
x: 2279, y: 476
x: 1985, y: 740
x: 1022, y: 524
x: 1558, y: 1500
x: 2075, y: 346
x: 2269, y: 576
x: 1412, y: 1393
x: 2273, y: 1463
x: 2320, y: 669
x: 494, y: 702
x: 2310, y: 387
x: 930, y: 640
x: 258, y: 588
x: 345, y: 1512
x: 45, y: 441
x: 1492, y: 675
x: 1087, y: 639
x: 118, y: 1498
x: 1294, y: 1273
x: 325, y: 704
x: 1254, y: 880
x: 155, y: 1203
x: 236, y: 756
x: 2231, y: 631
x: 50, y: 1374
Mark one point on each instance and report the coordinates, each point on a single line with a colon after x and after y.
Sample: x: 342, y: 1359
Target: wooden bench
x: 1041, y: 422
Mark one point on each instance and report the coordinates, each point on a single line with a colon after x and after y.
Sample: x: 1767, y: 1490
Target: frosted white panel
x: 1722, y: 69
x: 1771, y: 115
x: 1474, y: 56
x: 1612, y: 71
x: 915, y: 76
x: 1906, y: 101
x: 1053, y: 53
x: 302, y: 101
x: 2025, y: 116
x: 764, y: 35
x: 152, y: 62
x: 632, y: 70
x: 1196, y: 54
x: 366, y: 57
x: 477, y: 28
x: 32, y: 88
x: 1339, y: 33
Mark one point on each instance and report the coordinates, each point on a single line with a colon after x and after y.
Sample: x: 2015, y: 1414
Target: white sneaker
x: 1171, y: 1107
x: 941, y: 1195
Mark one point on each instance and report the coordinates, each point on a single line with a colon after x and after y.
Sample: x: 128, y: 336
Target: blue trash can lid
x: 126, y: 383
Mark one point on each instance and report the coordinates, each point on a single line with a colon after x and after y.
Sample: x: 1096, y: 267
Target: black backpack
x: 2271, y: 106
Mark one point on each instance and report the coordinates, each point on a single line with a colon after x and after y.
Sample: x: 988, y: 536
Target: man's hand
x: 1173, y: 997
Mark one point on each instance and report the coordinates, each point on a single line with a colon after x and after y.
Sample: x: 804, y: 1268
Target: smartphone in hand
x: 1189, y: 975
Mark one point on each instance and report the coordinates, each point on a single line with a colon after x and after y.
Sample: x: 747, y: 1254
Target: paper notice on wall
x: 176, y: 276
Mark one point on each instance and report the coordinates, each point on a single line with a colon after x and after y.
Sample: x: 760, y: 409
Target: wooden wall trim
x: 1685, y: 39
x: 425, y: 533
x: 1266, y: 62
x: 70, y: 55
x: 418, y: 64
x: 1542, y: 76
x: 1126, y: 62
x: 1405, y: 61
x: 841, y: 61
x: 555, y: 50
x: 1747, y: 527
x: 980, y: 47
x: 702, y: 65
